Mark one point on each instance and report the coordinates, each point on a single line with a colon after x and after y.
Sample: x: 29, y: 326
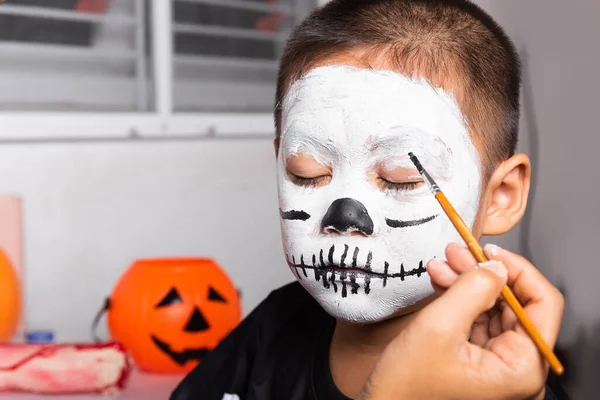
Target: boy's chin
x: 357, y: 301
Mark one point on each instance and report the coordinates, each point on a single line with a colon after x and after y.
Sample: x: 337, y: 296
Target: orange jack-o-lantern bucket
x: 10, y: 299
x: 169, y: 313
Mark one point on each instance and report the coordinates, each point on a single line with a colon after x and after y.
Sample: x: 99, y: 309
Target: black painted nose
x: 197, y: 322
x: 347, y: 215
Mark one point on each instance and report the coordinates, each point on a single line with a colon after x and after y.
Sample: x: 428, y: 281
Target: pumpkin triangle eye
x: 215, y: 296
x: 170, y: 299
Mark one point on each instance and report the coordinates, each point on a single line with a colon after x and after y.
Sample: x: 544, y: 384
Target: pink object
x: 63, y: 368
x: 271, y: 21
x: 11, y: 241
x: 92, y: 6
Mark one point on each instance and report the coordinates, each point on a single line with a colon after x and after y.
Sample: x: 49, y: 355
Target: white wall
x: 92, y: 208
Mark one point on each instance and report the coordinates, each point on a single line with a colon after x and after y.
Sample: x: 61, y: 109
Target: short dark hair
x: 439, y: 39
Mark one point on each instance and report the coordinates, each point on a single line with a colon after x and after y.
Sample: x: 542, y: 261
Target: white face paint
x: 363, y: 259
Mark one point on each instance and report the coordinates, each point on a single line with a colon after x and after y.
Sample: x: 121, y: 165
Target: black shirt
x: 279, y: 351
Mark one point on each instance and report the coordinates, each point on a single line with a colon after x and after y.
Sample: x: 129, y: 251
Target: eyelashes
x: 309, y: 182
x: 382, y: 183
x: 399, y: 186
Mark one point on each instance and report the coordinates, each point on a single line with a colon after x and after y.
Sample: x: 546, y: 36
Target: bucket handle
x: 99, y: 314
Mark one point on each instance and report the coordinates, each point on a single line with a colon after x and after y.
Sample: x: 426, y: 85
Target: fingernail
x: 432, y: 264
x: 496, y: 267
x: 457, y: 245
x: 492, y: 249
x: 440, y: 268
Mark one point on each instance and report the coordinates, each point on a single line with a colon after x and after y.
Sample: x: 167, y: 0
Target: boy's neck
x: 355, y: 348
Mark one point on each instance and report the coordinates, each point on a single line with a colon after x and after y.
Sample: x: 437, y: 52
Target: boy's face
x: 358, y: 224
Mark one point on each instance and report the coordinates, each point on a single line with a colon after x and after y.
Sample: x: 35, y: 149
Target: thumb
x: 473, y: 293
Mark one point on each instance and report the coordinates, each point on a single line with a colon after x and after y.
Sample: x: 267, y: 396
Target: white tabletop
x: 140, y: 386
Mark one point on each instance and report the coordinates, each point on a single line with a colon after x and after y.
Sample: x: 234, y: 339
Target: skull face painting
x: 358, y: 225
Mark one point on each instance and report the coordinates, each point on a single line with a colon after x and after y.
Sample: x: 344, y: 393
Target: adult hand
x: 468, y: 344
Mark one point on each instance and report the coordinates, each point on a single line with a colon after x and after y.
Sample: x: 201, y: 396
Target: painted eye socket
x: 170, y: 299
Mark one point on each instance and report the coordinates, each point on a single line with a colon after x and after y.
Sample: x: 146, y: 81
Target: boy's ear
x: 506, y: 195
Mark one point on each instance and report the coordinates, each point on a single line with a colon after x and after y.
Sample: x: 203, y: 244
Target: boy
x: 361, y: 84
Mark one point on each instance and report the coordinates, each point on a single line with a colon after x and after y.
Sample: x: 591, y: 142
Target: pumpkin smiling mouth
x: 180, y: 357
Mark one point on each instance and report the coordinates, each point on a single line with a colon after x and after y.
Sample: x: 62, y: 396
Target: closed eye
x: 309, y: 182
x: 304, y: 170
x: 399, y: 186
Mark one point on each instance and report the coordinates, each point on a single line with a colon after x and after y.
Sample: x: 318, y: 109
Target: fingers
x: 492, y: 324
x: 538, y: 296
x: 473, y: 293
x: 509, y: 318
x: 523, y: 359
x: 442, y: 276
x: 542, y: 301
x: 459, y: 258
x: 480, y: 334
x: 496, y: 324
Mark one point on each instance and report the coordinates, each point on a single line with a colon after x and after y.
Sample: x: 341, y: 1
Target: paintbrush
x: 480, y: 256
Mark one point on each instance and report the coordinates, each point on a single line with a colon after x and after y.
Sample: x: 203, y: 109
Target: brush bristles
x: 415, y: 161
x: 426, y: 177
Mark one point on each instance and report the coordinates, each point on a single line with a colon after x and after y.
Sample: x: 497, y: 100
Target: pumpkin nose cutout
x: 347, y: 216
x: 197, y: 323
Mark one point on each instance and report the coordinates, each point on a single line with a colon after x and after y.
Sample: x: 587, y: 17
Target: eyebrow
x: 393, y: 149
x: 309, y: 142
x: 398, y: 135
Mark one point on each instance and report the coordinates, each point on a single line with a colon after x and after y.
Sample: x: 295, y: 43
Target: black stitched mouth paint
x: 331, y: 273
